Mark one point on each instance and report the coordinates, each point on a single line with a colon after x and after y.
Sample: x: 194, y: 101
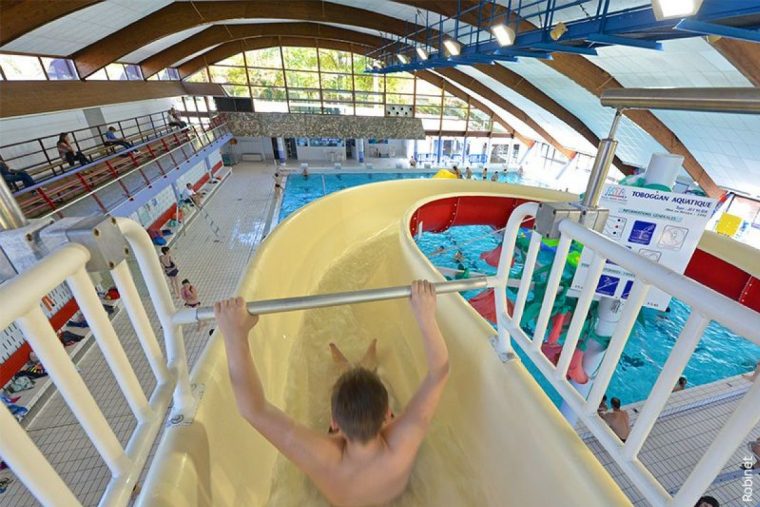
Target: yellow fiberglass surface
x: 497, y: 440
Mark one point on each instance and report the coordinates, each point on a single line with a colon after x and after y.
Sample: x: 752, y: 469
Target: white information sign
x: 662, y: 226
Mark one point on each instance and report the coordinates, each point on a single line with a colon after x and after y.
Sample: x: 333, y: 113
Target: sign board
x: 663, y: 226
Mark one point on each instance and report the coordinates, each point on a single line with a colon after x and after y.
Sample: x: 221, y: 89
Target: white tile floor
x: 242, y: 206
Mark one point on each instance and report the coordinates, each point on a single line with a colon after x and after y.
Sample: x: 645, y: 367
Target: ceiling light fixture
x: 452, y: 47
x: 403, y: 59
x: 422, y: 53
x: 558, y: 31
x: 505, y: 36
x: 665, y: 9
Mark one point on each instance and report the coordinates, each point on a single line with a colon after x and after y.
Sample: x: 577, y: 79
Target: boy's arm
x: 309, y: 450
x: 410, y: 428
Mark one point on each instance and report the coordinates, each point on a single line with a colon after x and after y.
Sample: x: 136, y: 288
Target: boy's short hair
x: 615, y: 402
x: 359, y: 404
x: 185, y: 281
x: 164, y: 249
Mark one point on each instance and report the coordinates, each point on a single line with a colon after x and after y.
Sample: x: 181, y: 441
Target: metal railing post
x: 11, y: 215
x: 601, y: 168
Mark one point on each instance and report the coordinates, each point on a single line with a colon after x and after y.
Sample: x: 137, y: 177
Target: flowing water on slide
x: 442, y: 464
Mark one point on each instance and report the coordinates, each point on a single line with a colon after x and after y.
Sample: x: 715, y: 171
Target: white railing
x: 706, y: 305
x: 21, y: 304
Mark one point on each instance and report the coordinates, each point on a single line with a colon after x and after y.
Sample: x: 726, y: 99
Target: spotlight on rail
x: 665, y: 9
x: 452, y: 47
x: 403, y: 59
x: 505, y: 36
x: 558, y: 31
x: 421, y: 53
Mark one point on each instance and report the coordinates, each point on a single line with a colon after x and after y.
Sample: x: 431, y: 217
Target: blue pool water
x: 300, y: 191
x: 720, y: 353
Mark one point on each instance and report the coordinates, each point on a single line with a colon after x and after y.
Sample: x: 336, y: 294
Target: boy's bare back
x: 347, y: 472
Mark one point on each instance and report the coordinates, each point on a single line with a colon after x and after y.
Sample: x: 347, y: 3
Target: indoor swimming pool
x: 300, y: 191
x: 719, y: 355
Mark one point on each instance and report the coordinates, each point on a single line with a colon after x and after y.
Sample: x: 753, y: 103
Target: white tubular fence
x: 706, y: 305
x: 21, y: 304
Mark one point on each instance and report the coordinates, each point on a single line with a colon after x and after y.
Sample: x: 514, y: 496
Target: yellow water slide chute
x: 445, y: 174
x: 497, y: 440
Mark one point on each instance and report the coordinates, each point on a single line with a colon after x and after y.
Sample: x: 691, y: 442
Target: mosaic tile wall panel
x: 321, y: 125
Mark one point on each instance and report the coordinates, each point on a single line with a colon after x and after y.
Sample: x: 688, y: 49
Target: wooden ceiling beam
x: 179, y: 16
x: 743, y: 55
x: 219, y: 34
x: 18, y: 17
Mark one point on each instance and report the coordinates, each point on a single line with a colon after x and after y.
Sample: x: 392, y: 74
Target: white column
x: 281, y: 153
x: 360, y: 150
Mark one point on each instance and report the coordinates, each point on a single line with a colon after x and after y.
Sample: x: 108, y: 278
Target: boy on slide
x: 369, y: 459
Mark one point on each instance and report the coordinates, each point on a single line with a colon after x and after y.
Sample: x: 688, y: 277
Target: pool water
x: 720, y: 353
x: 300, y: 191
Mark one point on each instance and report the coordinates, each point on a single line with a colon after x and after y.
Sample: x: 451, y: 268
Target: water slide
x: 497, y: 439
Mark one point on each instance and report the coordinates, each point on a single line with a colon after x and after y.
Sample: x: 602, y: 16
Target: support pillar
x: 360, y: 150
x: 281, y: 153
x: 439, y: 151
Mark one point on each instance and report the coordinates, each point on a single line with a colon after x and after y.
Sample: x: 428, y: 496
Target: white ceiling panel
x: 556, y: 128
x: 71, y: 33
x: 636, y: 146
x: 514, y: 122
x: 726, y: 145
x: 161, y: 44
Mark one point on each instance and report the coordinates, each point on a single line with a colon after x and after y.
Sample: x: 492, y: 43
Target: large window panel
x: 234, y: 61
x: 199, y: 77
x: 369, y: 83
x: 370, y: 109
x: 425, y: 88
x: 479, y: 121
x: 268, y: 58
x: 17, y: 67
x: 451, y: 101
x: 335, y: 61
x: 269, y: 93
x: 431, y: 123
x: 337, y: 96
x: 309, y: 107
x: 300, y: 94
x: 270, y: 106
x: 400, y: 100
x: 337, y: 81
x: 300, y: 58
x: 299, y: 79
x: 395, y: 84
x: 261, y: 77
x: 362, y: 63
x: 342, y: 108
x: 237, y: 91
x: 231, y: 75
x: 116, y: 72
x: 376, y: 98
x: 498, y: 127
x: 59, y: 68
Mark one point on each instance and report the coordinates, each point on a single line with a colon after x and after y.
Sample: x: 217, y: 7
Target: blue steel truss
x: 634, y: 26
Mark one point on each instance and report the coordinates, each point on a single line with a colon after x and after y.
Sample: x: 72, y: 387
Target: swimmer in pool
x: 369, y: 459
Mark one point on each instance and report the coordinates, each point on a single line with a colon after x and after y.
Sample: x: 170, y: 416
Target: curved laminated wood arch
x: 179, y: 16
x: 218, y: 34
x: 18, y: 17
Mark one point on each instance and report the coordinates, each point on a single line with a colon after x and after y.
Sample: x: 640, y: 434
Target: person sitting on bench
x: 175, y: 120
x: 67, y: 153
x: 113, y: 139
x: 11, y: 177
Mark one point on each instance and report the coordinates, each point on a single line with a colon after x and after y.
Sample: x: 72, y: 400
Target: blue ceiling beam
x: 562, y: 48
x: 730, y: 32
x: 606, y: 38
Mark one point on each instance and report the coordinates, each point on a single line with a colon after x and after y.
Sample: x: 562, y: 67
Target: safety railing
x: 39, y: 157
x: 21, y: 296
x: 113, y: 179
x: 706, y: 305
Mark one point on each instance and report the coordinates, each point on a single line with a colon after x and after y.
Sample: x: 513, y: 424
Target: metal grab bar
x: 724, y: 100
x: 335, y: 299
